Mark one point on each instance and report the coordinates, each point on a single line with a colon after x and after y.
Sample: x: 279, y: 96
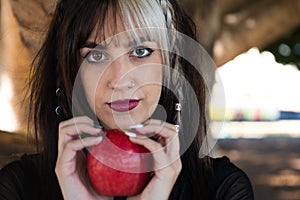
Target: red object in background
x: 118, y: 167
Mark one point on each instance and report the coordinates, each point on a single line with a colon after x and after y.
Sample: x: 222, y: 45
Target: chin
x: 129, y: 121
x: 119, y: 124
x: 119, y: 120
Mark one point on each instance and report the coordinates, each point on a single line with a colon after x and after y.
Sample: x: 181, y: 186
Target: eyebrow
x: 134, y: 42
x: 92, y: 45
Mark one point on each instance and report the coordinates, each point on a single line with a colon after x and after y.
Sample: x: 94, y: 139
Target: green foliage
x: 287, y: 49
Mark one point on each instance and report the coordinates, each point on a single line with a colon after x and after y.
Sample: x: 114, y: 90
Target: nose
x: 118, y: 75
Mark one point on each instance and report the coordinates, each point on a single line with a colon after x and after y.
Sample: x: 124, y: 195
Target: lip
x: 123, y: 105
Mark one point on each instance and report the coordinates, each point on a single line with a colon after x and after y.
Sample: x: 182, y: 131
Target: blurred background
x: 256, y: 47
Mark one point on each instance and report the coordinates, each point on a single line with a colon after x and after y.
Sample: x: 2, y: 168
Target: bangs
x: 142, y: 20
x: 145, y: 18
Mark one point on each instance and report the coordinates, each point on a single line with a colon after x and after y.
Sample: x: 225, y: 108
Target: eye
x: 95, y: 56
x: 141, y: 52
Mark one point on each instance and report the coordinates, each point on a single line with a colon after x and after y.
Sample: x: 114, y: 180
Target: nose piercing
x: 131, y: 84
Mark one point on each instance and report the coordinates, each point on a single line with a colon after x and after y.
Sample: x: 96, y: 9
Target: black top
x: 23, y: 179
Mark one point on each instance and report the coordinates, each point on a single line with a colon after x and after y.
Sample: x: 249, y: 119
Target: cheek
x: 150, y: 74
x: 152, y: 84
x: 154, y: 93
x: 91, y: 80
x: 152, y: 98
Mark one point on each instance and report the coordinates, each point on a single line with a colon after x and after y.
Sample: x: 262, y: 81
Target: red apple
x: 118, y: 167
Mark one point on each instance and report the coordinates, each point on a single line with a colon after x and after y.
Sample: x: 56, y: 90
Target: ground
x: 272, y: 164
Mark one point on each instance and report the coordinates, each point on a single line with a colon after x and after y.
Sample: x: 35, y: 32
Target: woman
x: 121, y: 64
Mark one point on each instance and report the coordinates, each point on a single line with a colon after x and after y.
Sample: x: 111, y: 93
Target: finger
x: 79, y: 129
x: 71, y: 148
x: 173, y: 147
x: 77, y: 120
x: 163, y: 157
x: 160, y: 123
x: 157, y: 129
x: 148, y: 143
x: 68, y: 133
x: 167, y: 139
x: 157, y: 151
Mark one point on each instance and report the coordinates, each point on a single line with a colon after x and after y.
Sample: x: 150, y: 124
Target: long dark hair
x: 57, y: 64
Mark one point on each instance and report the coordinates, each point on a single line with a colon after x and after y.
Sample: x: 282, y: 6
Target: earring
x: 58, y: 94
x: 178, y: 116
x: 57, y: 110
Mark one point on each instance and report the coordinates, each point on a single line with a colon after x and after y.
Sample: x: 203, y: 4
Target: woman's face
x: 121, y: 77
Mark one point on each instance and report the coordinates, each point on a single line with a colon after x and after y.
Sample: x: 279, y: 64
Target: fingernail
x: 130, y: 134
x: 85, y: 135
x: 102, y: 134
x: 98, y: 126
x: 136, y: 126
x: 98, y: 138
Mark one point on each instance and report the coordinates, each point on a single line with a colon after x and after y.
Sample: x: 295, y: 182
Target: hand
x: 71, y: 162
x: 167, y: 163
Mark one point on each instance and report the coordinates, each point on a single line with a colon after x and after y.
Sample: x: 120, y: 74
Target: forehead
x: 112, y: 26
x: 115, y: 30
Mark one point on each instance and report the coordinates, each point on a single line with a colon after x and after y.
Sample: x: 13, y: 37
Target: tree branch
x: 257, y: 29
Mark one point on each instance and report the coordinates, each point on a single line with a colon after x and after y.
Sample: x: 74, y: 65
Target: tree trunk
x: 33, y: 17
x: 22, y: 26
x: 206, y: 15
x: 14, y: 70
x: 226, y: 28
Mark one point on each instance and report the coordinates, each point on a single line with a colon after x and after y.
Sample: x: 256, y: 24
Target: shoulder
x: 229, y: 181
x: 25, y: 164
x: 17, y: 176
